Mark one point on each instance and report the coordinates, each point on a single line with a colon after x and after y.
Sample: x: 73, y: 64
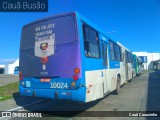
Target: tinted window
x: 117, y: 52
x: 104, y: 54
x: 128, y: 57
x: 63, y: 28
x: 112, y: 52
x: 122, y: 54
x: 91, y: 42
x: 52, y: 39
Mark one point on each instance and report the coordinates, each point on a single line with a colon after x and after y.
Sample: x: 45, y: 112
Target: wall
x: 150, y: 58
x: 2, y: 69
x: 9, y: 68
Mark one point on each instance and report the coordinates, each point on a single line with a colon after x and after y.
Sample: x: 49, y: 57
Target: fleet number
x: 59, y: 85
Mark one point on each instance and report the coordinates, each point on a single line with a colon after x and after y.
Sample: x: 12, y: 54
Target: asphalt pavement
x: 141, y: 94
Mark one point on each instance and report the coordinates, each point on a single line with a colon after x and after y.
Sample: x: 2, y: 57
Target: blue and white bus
x: 67, y: 57
x: 126, y: 64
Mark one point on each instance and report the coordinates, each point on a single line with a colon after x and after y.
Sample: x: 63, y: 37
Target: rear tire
x: 118, y: 86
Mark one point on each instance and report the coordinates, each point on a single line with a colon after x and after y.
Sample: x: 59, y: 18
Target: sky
x: 134, y: 23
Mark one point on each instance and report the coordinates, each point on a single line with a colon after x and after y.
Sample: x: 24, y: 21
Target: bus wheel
x: 118, y: 86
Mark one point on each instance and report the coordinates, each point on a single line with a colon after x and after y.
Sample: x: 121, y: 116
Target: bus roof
x: 122, y: 46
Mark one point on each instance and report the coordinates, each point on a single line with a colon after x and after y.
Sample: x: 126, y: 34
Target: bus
x: 140, y: 64
x: 137, y: 65
x: 126, y: 64
x: 67, y: 57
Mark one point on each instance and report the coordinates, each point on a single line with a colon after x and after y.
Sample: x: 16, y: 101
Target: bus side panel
x: 80, y: 37
x: 130, y: 72
x: 122, y: 72
x: 124, y: 67
x: 92, y: 71
x: 113, y: 72
x: 94, y: 85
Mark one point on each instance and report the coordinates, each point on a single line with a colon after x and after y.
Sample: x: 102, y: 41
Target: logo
x: 6, y: 114
x: 23, y: 5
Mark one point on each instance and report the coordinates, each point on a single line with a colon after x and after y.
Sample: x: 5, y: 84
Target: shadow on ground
x: 23, y: 100
x: 59, y: 108
x: 153, y: 97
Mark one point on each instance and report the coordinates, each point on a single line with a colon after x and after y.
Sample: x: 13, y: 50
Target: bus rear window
x: 61, y: 29
x: 47, y: 45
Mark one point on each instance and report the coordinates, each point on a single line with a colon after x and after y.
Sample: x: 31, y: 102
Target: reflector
x: 73, y: 84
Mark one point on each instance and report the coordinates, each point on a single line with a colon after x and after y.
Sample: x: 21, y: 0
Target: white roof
x: 2, y: 66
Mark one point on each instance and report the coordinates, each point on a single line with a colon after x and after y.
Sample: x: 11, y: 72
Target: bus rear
x: 50, y: 60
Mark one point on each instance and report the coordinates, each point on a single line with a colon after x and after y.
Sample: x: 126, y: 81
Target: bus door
x: 126, y: 65
x: 105, y: 62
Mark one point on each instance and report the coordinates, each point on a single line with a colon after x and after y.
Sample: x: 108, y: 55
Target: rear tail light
x: 76, y: 70
x: 75, y: 77
x: 20, y: 75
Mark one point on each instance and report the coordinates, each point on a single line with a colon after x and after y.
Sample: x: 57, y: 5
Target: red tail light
x: 75, y: 77
x: 20, y: 75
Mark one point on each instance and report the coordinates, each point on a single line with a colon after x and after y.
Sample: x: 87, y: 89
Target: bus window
x: 121, y: 54
x: 91, y: 45
x: 112, y: 51
x: 128, y: 57
x: 104, y: 54
x: 117, y: 52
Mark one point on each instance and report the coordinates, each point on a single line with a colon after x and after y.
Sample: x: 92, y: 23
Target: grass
x: 7, y: 91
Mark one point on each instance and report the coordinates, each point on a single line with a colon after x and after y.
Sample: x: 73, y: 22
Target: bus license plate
x: 45, y: 80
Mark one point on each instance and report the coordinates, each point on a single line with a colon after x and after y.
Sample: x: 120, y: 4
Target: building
x: 9, y: 68
x: 148, y: 59
x: 2, y: 69
x: 156, y: 64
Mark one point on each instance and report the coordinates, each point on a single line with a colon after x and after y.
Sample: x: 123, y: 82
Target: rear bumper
x: 74, y: 95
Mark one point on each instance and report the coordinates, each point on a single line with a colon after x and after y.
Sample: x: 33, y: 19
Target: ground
x: 141, y: 94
